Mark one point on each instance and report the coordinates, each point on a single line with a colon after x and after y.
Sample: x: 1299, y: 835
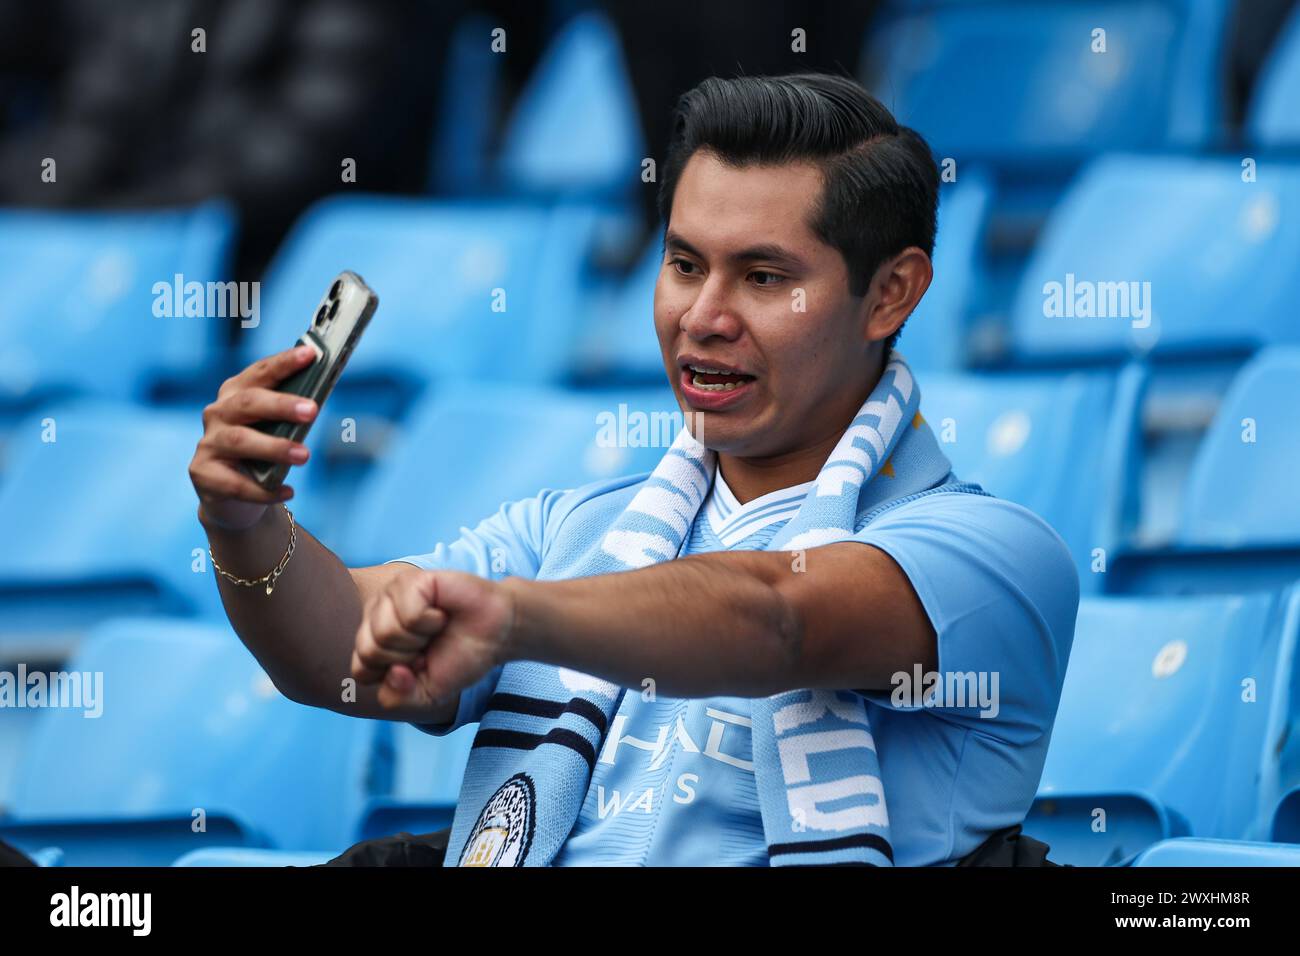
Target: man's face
x: 746, y: 287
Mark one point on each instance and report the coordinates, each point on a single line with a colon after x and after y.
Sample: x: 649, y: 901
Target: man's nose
x: 713, y: 312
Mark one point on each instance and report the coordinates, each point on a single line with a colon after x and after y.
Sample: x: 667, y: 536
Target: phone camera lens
x: 320, y: 316
x: 334, y: 308
x: 334, y: 289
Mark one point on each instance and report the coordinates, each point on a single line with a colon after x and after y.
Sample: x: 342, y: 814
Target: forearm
x: 302, y: 633
x: 699, y: 626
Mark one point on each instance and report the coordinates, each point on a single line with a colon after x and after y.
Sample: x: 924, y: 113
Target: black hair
x: 881, y: 183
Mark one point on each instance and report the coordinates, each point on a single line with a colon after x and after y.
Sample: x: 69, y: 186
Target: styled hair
x: 880, y: 189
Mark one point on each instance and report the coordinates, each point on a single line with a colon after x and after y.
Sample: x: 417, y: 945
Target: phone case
x: 333, y: 337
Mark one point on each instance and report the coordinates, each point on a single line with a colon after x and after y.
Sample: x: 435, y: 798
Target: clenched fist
x: 428, y: 634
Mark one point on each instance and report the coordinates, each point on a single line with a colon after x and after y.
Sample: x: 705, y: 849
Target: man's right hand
x: 228, y: 497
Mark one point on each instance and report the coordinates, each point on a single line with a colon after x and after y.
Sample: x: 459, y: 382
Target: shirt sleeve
x: 510, y: 543
x: 1002, y: 593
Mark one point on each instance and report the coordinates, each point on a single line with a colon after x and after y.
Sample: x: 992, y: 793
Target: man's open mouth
x: 711, y: 379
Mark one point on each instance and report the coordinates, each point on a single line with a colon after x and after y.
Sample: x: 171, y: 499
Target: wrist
x: 250, y: 520
x: 520, y: 637
x: 250, y: 552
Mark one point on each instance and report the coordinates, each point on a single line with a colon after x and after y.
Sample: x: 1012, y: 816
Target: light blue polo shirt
x: 674, y: 783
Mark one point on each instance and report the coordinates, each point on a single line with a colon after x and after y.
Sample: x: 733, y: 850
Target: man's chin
x: 716, y: 433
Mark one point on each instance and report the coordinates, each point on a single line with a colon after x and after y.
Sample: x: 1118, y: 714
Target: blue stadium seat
x: 79, y: 312
x: 439, y: 269
x: 1062, y: 446
x: 1240, y: 525
x: 1192, y: 851
x: 939, y: 65
x: 101, y: 521
x: 473, y: 447
x: 1274, y: 120
x: 188, y: 721
x: 619, y: 342
x: 1249, y: 456
x: 935, y: 336
x: 1207, y: 243
x: 575, y: 130
x: 1160, y: 731
x: 427, y: 772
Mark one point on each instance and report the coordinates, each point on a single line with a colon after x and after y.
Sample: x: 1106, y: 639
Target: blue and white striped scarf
x: 815, y: 764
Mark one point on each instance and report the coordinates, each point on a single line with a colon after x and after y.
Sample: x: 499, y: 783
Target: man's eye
x: 767, y: 278
x: 683, y: 266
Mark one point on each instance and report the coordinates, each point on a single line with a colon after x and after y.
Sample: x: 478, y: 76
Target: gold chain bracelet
x: 271, y: 576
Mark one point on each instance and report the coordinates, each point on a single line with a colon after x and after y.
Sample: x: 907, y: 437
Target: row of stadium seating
x: 134, y: 547
x: 1033, y: 97
x: 1194, y: 735
x: 1127, y: 75
x: 1148, y: 199
x: 1064, y: 94
x: 1178, y: 256
x: 521, y: 301
x: 96, y: 492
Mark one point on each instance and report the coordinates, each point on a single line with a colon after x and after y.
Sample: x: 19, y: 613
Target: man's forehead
x: 730, y: 206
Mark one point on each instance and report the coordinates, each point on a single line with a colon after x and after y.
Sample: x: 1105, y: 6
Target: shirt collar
x: 733, y: 522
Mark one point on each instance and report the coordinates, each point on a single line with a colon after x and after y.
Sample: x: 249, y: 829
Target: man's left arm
x: 746, y: 624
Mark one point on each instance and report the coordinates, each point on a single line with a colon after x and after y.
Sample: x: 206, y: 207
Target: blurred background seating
x: 503, y: 209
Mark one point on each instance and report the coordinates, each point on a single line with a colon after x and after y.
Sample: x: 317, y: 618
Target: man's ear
x: 897, y: 287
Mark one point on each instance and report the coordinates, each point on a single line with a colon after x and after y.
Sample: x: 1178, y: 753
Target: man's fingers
x: 400, y: 688
x: 274, y: 369
x: 240, y: 441
x: 400, y: 678
x: 364, y: 674
x: 402, y: 624
x: 217, y: 481
x: 395, y: 629
x: 405, y: 686
x: 256, y: 403
x: 403, y: 618
x: 367, y: 666
x: 375, y: 659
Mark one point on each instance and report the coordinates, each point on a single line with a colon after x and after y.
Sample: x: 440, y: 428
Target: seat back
x: 101, y: 519
x: 471, y: 448
x: 91, y: 299
x: 467, y: 289
x: 1239, y: 492
x: 575, y: 130
x: 1173, y: 710
x: 188, y: 726
x: 1169, y: 257
x: 1060, y: 446
x: 1063, y: 91
x: 936, y: 334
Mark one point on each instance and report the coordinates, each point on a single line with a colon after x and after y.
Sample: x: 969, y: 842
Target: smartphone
x: 343, y: 314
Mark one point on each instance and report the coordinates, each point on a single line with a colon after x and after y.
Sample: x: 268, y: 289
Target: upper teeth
x: 712, y: 371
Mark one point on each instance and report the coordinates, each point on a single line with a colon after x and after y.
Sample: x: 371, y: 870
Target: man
x: 708, y: 665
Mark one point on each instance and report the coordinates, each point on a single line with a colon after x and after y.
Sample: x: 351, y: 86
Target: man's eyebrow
x: 769, y: 251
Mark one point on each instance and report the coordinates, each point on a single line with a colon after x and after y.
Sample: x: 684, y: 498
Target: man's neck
x: 753, y: 478
x: 750, y: 478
